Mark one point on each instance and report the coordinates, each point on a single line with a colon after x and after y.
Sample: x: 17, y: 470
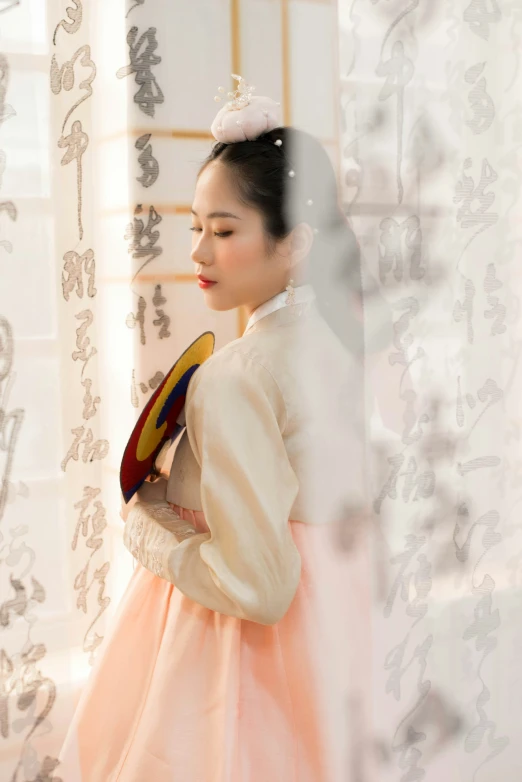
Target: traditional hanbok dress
x: 229, y: 659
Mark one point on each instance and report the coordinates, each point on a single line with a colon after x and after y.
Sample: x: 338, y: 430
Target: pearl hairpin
x: 240, y: 97
x: 291, y: 173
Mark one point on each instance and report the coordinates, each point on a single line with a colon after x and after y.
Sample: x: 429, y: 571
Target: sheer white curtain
x: 431, y: 112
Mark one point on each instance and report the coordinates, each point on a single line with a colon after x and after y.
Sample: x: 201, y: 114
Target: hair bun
x: 246, y: 124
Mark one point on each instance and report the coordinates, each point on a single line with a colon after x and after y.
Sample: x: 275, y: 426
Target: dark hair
x: 261, y: 175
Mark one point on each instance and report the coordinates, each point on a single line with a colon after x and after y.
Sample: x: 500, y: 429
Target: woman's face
x: 229, y: 246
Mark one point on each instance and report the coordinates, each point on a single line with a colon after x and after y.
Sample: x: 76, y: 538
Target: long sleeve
x: 153, y: 527
x: 247, y: 565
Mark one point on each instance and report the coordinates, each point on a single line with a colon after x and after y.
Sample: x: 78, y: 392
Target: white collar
x: 302, y: 293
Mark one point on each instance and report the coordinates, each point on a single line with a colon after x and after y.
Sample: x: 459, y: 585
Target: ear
x: 301, y: 240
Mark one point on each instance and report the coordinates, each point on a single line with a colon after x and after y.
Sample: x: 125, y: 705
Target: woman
x: 229, y: 659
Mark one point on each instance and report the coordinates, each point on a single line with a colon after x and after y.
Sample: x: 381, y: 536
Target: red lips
x: 204, y: 283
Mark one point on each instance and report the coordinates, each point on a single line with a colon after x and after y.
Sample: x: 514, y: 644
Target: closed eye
x: 221, y: 234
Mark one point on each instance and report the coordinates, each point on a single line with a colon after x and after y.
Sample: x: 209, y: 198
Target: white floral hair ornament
x: 245, y: 116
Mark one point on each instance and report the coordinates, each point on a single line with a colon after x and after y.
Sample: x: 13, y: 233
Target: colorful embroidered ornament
x: 158, y: 423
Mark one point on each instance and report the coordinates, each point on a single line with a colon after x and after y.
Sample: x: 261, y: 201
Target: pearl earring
x: 290, y: 293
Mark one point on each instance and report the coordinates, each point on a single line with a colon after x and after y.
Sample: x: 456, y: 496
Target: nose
x: 201, y: 251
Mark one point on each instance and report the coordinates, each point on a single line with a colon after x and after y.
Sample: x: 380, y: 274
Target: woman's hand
x: 153, y: 491
x: 148, y: 492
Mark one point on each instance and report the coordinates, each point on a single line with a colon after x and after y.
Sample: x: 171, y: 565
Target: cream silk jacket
x: 274, y: 432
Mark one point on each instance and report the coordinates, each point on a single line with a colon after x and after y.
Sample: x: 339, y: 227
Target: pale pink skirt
x: 180, y: 693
